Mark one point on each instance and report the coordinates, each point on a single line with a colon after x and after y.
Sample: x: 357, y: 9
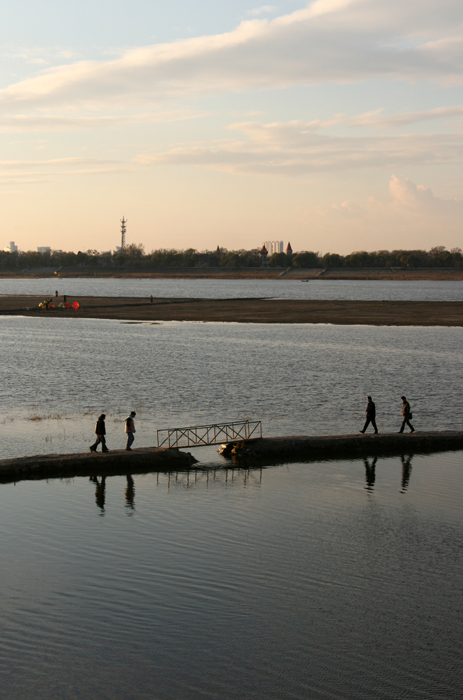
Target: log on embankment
x: 315, y: 448
x: 116, y: 462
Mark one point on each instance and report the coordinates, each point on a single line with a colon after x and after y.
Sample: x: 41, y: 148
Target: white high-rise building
x: 43, y: 249
x: 11, y: 248
x: 274, y: 247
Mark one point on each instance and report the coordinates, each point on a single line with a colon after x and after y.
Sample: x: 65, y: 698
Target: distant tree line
x: 134, y: 256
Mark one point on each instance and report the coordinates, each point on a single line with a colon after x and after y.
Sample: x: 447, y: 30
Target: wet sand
x: 372, y: 313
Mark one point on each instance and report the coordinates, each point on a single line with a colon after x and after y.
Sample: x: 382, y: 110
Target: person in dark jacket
x: 370, y: 415
x: 406, y: 415
x: 100, y: 432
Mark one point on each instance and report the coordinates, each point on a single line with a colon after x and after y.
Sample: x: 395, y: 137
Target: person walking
x: 406, y: 415
x: 370, y: 414
x: 130, y: 429
x: 100, y: 432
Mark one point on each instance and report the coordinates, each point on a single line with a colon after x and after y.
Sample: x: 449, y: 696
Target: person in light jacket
x: 130, y: 429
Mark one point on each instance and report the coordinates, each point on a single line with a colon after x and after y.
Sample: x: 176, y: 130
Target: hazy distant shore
x: 444, y: 274
x: 373, y: 313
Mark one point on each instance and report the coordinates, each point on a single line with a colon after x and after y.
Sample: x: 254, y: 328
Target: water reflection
x: 406, y: 471
x: 130, y: 494
x: 228, y: 477
x: 370, y: 474
x: 100, y: 493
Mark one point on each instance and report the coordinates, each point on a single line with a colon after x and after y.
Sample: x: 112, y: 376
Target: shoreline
x: 258, y: 273
x: 140, y: 309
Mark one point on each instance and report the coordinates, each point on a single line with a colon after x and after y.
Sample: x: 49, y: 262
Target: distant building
x: 11, y: 248
x: 44, y: 249
x: 274, y: 247
x: 264, y: 255
x: 289, y: 250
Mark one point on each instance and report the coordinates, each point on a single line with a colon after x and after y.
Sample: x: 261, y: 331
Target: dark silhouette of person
x: 370, y: 414
x: 56, y: 293
x: 370, y: 473
x: 406, y: 471
x: 406, y: 415
x: 151, y: 299
x: 100, y: 432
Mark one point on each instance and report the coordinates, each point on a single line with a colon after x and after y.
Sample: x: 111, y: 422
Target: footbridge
x: 201, y: 435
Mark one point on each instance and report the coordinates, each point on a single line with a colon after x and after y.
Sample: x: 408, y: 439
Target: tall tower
x: 123, y: 231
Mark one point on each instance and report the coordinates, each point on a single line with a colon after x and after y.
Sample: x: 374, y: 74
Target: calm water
x: 234, y: 289
x: 60, y: 374
x: 312, y: 581
x: 300, y: 581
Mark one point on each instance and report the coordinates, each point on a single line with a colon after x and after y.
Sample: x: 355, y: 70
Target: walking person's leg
x: 367, y: 423
x: 130, y: 439
x: 373, y: 422
x: 95, y: 444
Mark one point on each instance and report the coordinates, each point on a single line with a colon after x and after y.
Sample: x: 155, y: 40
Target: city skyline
x: 335, y: 124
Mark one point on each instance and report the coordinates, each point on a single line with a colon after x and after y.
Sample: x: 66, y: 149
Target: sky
x: 335, y: 125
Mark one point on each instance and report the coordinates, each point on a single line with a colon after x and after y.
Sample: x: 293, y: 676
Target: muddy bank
x: 351, y: 273
x: 373, y: 313
x: 307, y: 448
x: 113, y: 463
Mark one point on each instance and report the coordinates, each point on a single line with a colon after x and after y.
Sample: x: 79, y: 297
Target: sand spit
x: 372, y: 313
x: 113, y: 463
x: 314, y: 448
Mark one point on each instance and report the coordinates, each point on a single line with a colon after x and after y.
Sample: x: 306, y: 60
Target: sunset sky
x: 336, y: 125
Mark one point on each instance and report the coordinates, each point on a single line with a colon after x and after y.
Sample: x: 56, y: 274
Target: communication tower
x: 123, y: 232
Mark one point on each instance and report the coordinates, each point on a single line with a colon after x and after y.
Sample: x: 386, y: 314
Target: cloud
x: 34, y: 171
x: 377, y: 121
x: 329, y: 41
x: 265, y: 9
x: 53, y: 123
x: 295, y: 149
x: 408, y: 216
x: 407, y: 201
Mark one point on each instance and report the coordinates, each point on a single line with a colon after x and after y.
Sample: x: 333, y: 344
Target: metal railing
x: 195, y: 436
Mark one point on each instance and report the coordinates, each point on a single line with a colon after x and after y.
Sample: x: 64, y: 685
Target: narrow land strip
x: 372, y: 313
x: 254, y: 452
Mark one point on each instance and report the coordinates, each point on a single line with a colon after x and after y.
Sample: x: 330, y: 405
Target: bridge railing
x: 199, y: 435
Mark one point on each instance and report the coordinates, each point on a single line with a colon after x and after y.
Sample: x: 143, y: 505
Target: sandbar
x: 371, y: 313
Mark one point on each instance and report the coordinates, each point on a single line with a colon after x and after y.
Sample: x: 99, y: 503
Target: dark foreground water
x: 305, y: 581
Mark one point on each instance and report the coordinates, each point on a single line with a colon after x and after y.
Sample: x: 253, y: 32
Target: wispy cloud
x: 51, y: 123
x: 294, y: 149
x: 328, y: 41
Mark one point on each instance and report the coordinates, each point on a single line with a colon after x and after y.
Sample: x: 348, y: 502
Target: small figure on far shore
x: 370, y: 415
x: 130, y: 430
x: 100, y: 432
x: 56, y: 293
x: 151, y: 299
x: 406, y: 415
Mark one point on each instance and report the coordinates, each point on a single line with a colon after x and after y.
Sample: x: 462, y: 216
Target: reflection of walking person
x: 370, y: 415
x: 406, y: 415
x: 130, y: 429
x: 406, y: 471
x: 370, y: 474
x: 100, y: 432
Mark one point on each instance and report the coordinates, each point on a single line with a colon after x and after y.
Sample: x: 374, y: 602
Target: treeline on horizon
x: 134, y: 256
